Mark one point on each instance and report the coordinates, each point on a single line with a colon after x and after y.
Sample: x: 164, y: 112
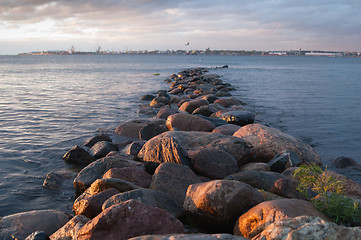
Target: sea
x: 48, y: 104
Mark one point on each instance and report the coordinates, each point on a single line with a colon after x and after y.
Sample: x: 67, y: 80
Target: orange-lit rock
x: 188, y: 122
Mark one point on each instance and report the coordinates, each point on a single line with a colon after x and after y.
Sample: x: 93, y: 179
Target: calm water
x: 48, y: 104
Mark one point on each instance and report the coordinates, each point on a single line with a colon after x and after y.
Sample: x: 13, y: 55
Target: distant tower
x: 72, y: 49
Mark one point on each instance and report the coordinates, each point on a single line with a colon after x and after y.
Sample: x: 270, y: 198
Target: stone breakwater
x: 200, y: 168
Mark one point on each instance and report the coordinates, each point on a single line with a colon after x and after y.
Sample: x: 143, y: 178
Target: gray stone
x: 284, y: 160
x: 198, y: 236
x: 93, y: 140
x: 239, y: 117
x: 39, y: 235
x: 78, y: 155
x: 102, y: 148
x: 133, y: 148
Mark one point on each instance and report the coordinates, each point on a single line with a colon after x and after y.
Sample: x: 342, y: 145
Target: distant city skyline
x: 121, y: 25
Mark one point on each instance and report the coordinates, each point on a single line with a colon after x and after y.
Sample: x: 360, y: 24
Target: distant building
x: 325, y: 54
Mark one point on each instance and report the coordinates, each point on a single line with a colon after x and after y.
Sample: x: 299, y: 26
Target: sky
x: 119, y: 25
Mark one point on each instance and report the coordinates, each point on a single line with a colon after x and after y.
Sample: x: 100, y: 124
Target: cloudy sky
x: 34, y: 25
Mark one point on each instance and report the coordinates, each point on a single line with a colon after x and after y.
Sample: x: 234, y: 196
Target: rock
x: 287, y: 187
x: 216, y: 122
x: 174, y: 180
x: 255, y: 167
x: 21, y: 225
x: 264, y: 214
x: 213, y: 163
x: 53, y: 180
x: 267, y: 142
x: 239, y: 117
x: 351, y: 188
x: 176, y: 91
x: 131, y: 128
x: 146, y: 109
x: 78, y: 155
x: 163, y: 93
x: 268, y: 196
x: 209, y: 97
x: 198, y: 236
x: 70, y: 229
x: 91, y: 205
x: 97, y: 169
x: 188, y: 122
x: 151, y: 130
x: 165, y: 112
x: 158, y: 102
x: 308, y: 228
x: 226, y: 129
x: 192, y: 105
x: 93, y: 140
x: 257, y: 179
x: 205, y: 110
x: 39, y: 235
x: 130, y: 219
x: 164, y: 148
x: 150, y: 197
x: 217, y: 204
x: 121, y: 185
x: 284, y: 160
x: 147, y: 97
x: 133, y: 148
x: 344, y: 162
x: 223, y: 94
x: 134, y: 175
x: 102, y: 148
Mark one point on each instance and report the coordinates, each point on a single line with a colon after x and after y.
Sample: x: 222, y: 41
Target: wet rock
x: 78, y: 155
x: 217, y: 204
x: 257, y: 179
x: 131, y: 128
x: 216, y: 122
x: 344, y: 162
x: 163, y: 93
x: 188, y: 122
x: 213, y: 163
x: 158, y: 102
x: 147, y: 97
x: 164, y: 149
x: 146, y: 109
x: 21, y: 225
x: 130, y: 219
x: 70, y: 229
x: 165, y: 112
x: 93, y: 140
x: 150, y: 197
x: 264, y: 214
x: 134, y: 175
x: 192, y: 105
x: 53, y: 180
x: 97, y: 169
x: 308, y: 228
x: 255, y: 167
x: 174, y: 180
x: 223, y: 94
x: 39, y: 235
x: 198, y: 236
x: 284, y: 160
x: 133, y: 148
x: 91, y: 205
x: 267, y: 142
x: 239, y: 117
x: 102, y: 148
x: 226, y: 129
x: 151, y: 130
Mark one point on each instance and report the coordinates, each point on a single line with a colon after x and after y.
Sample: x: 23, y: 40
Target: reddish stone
x: 134, y: 175
x: 192, y: 105
x: 227, y: 129
x: 188, y: 122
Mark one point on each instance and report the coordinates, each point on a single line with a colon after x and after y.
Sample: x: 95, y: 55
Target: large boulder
x: 226, y: 129
x: 165, y: 112
x: 267, y: 142
x: 158, y: 102
x: 93, y: 140
x: 130, y: 219
x: 257, y: 179
x: 195, y: 236
x: 255, y: 166
x: 102, y: 148
x: 205, y: 110
x: 150, y: 197
x: 78, y: 155
x: 96, y: 169
x: 188, y: 122
x: 164, y: 148
x: 151, y: 130
x: 131, y: 128
x: 239, y: 117
x: 174, y: 180
x: 192, y: 105
x: 135, y: 175
x: 308, y: 228
x: 261, y: 216
x: 103, y: 184
x: 213, y: 163
x: 70, y: 229
x: 284, y: 160
x: 91, y: 205
x: 216, y: 205
x: 20, y: 225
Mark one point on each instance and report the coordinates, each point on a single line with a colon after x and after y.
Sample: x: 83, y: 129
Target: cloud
x: 168, y: 23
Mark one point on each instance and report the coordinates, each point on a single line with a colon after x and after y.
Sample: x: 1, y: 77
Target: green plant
x: 329, y: 200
